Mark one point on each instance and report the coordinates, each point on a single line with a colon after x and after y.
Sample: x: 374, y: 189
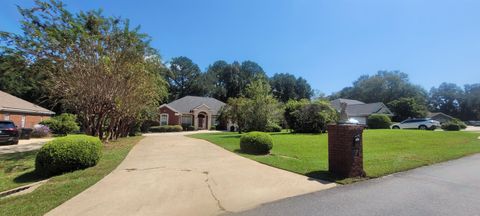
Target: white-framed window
x: 163, y: 119
x: 23, y: 120
x: 6, y: 116
x: 187, y: 120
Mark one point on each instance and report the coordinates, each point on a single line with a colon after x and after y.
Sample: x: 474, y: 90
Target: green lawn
x: 16, y: 169
x: 385, y: 151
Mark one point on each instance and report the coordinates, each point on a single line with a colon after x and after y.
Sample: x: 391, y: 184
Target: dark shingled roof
x: 187, y: 103
x: 358, y: 108
x: 336, y: 103
x: 10, y: 103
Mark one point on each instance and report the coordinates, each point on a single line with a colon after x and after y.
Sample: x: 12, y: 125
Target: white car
x: 422, y: 124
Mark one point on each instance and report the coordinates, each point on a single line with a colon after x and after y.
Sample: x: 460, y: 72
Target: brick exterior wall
x: 30, y: 119
x: 345, y: 156
x: 172, y: 118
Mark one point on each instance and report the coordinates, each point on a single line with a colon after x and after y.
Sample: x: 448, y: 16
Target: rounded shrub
x: 379, y: 121
x: 66, y: 154
x: 272, y: 127
x: 256, y: 143
x: 451, y: 126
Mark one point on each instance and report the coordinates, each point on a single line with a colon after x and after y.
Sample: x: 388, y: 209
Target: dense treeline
x: 409, y: 100
x: 223, y: 80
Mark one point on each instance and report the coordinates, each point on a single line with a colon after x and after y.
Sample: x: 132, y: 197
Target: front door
x: 201, y: 121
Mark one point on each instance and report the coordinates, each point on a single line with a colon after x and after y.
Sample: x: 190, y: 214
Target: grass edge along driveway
x: 385, y: 151
x: 63, y: 187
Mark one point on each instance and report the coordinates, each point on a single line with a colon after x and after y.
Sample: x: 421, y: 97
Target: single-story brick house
x: 359, y: 110
x: 23, y: 113
x: 200, y: 112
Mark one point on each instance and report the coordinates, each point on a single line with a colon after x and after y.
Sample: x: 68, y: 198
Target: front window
x: 164, y: 119
x: 186, y: 120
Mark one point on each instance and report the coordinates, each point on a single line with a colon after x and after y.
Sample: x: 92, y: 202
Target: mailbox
x: 345, y: 151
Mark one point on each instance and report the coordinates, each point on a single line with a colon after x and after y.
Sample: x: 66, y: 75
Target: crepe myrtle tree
x: 102, y: 69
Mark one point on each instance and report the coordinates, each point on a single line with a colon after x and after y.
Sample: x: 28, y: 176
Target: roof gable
x: 10, y: 103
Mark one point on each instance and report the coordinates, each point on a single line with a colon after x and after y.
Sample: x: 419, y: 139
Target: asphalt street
x: 450, y: 188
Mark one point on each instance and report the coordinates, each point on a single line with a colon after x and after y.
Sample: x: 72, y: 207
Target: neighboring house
x: 441, y: 117
x: 200, y: 112
x: 359, y: 110
x: 23, y: 113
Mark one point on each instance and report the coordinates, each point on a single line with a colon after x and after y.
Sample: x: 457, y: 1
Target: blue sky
x: 330, y: 43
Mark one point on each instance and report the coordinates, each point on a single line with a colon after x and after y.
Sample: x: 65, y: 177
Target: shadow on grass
x: 29, y: 177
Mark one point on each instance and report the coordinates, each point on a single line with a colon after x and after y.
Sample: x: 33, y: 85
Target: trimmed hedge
x: 272, y: 127
x: 256, y: 143
x: 166, y: 128
x: 188, y: 127
x: 451, y: 126
x: 379, y: 121
x: 66, y: 154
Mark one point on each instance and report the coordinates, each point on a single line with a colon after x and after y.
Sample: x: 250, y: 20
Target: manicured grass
x: 385, y: 151
x: 17, y: 169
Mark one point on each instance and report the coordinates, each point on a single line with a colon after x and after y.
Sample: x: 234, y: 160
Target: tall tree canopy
x: 385, y: 86
x: 226, y: 80
x: 184, y: 78
x: 285, y: 87
x: 100, y: 68
x: 447, y: 98
x: 471, y: 102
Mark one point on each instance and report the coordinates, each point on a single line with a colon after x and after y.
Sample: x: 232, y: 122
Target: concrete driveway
x: 170, y: 174
x: 24, y: 145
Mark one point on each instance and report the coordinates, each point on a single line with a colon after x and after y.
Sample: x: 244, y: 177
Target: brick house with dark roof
x: 23, y: 113
x: 200, y: 112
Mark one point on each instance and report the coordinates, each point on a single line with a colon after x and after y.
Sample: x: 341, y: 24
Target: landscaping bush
x: 313, y: 117
x: 166, y: 128
x: 379, y: 121
x: 256, y: 143
x: 460, y: 123
x: 66, y: 154
x: 62, y: 124
x: 451, y: 126
x: 40, y: 131
x: 188, y: 127
x: 272, y: 127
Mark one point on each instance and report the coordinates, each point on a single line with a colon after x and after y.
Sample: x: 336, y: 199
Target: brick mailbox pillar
x: 345, y: 151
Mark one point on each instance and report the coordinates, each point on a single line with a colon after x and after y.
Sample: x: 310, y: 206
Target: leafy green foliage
x: 166, y: 128
x: 272, y: 127
x: 378, y: 121
x: 385, y: 86
x: 404, y: 108
x: 309, y: 117
x: 451, y: 126
x: 64, y: 123
x: 184, y: 78
x: 256, y: 143
x: 255, y: 111
x: 224, y: 80
x: 447, y: 98
x: 66, y: 154
x: 286, y: 87
x: 96, y: 66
